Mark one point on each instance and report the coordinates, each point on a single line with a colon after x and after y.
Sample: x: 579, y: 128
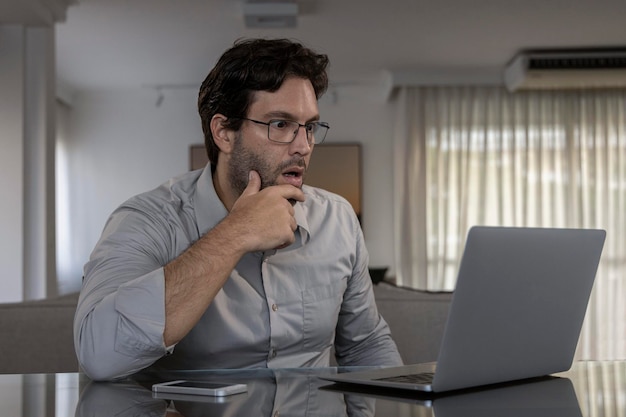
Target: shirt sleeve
x: 363, y: 338
x: 120, y: 317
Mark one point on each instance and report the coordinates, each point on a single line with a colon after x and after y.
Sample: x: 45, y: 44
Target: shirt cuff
x: 141, y: 307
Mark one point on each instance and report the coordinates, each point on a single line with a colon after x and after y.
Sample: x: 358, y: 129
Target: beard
x: 243, y: 160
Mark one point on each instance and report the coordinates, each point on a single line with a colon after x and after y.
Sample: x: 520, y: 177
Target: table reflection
x: 552, y: 396
x: 270, y: 393
x: 301, y: 393
x: 590, y: 389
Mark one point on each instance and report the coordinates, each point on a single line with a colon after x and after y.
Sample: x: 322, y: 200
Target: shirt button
x: 274, y: 307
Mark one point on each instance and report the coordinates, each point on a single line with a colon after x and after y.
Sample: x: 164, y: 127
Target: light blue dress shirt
x: 278, y: 309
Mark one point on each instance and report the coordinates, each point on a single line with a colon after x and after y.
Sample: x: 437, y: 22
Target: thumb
x: 254, y: 183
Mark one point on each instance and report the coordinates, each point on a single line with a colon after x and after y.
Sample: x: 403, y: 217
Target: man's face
x: 276, y: 163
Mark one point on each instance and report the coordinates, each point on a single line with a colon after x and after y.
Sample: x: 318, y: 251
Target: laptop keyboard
x: 421, y: 378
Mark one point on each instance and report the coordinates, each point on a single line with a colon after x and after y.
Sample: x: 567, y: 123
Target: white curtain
x: 469, y: 156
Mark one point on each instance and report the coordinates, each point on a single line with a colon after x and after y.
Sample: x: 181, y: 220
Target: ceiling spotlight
x: 270, y: 14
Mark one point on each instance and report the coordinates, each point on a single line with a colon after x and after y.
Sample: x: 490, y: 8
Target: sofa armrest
x: 37, y: 336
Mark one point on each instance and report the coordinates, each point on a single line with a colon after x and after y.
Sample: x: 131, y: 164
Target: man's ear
x: 222, y: 136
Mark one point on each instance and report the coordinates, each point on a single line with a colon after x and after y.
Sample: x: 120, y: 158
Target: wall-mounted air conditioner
x: 566, y: 69
x: 270, y: 14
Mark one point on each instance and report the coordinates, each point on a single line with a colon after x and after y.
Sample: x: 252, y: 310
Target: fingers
x: 291, y: 194
x: 290, y: 237
x: 267, y: 214
x: 254, y: 184
x: 288, y: 192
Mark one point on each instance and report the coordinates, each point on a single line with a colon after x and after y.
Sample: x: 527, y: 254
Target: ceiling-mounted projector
x: 270, y: 14
x: 566, y: 69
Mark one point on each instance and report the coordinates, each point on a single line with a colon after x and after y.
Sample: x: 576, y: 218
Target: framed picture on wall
x: 335, y: 167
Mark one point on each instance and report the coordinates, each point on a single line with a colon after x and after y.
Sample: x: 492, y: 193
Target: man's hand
x: 259, y: 220
x: 266, y: 217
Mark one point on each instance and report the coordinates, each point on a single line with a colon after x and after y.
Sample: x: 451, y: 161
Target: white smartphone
x: 214, y: 389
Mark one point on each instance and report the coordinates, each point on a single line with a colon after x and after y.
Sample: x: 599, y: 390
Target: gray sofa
x: 416, y: 319
x: 36, y: 336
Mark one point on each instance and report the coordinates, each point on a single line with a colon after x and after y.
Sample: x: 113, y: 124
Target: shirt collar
x: 209, y: 208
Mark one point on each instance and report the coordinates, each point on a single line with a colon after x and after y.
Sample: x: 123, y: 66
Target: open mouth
x: 293, y: 176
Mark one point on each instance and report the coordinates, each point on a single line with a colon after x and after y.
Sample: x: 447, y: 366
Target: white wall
x: 119, y: 144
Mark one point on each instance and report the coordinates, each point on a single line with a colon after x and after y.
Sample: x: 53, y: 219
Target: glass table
x: 589, y: 389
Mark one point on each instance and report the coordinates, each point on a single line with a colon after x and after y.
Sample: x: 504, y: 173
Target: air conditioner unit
x: 271, y: 14
x: 566, y: 69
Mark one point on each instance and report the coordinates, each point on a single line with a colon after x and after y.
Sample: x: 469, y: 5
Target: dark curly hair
x: 254, y: 65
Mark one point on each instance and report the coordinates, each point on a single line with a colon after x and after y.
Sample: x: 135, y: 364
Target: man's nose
x: 301, y: 143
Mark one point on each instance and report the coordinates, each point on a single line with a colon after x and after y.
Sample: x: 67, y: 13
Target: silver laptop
x: 516, y: 312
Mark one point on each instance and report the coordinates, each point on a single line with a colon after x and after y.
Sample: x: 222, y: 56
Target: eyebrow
x: 278, y: 114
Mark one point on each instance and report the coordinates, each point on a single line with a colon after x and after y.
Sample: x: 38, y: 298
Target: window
x: 480, y: 155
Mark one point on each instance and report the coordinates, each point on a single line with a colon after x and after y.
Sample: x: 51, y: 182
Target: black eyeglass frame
x: 309, y: 134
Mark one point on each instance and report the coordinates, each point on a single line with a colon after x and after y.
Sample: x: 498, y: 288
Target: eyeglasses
x: 285, y: 131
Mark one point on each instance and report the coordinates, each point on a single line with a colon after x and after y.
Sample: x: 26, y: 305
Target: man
x: 239, y: 264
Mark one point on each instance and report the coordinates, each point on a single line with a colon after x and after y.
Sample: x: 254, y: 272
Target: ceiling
x: 138, y: 43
